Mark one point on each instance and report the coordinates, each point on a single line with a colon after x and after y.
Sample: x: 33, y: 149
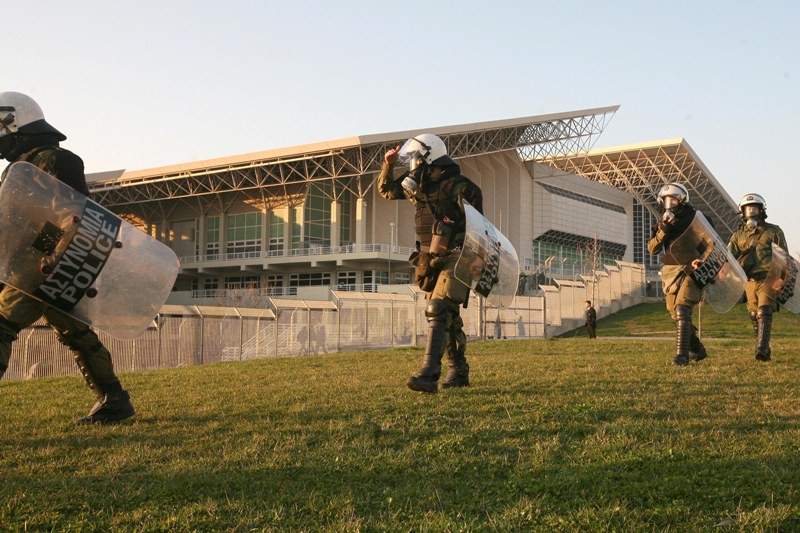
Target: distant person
x: 302, y: 340
x: 680, y: 289
x: 318, y: 337
x: 590, y: 316
x: 437, y: 188
x: 26, y: 136
x: 751, y: 244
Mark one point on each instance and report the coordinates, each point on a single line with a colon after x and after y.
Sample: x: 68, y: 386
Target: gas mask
x: 751, y: 215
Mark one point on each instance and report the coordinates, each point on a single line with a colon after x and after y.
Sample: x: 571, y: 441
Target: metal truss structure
x: 268, y: 180
x: 642, y: 170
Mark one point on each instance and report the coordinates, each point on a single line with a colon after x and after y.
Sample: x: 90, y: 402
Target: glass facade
x: 643, y: 221
x: 243, y: 233
x: 242, y: 282
x: 212, y: 236
x: 318, y: 214
x: 277, y: 225
x: 309, y: 279
x: 579, y: 253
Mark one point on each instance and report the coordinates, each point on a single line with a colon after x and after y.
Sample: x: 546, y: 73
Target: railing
x: 232, y: 293
x: 312, y: 250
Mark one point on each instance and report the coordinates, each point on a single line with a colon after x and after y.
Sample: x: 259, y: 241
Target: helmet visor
x: 8, y: 121
x: 671, y: 202
x: 412, y: 154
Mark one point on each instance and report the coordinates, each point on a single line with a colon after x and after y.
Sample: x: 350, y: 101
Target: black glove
x: 665, y: 227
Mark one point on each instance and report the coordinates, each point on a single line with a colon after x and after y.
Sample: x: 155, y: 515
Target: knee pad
x: 436, y: 308
x: 764, y: 311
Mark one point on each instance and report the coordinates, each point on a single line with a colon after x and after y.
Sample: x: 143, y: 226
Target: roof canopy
x: 643, y: 169
x: 276, y: 176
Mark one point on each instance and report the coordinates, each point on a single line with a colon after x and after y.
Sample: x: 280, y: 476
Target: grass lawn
x: 558, y: 434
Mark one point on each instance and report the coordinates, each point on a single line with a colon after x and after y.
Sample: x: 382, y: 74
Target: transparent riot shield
x: 782, y: 279
x: 71, y: 253
x: 488, y: 263
x: 717, y: 272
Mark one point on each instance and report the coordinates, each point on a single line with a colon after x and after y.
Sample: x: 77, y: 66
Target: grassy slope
x: 565, y: 434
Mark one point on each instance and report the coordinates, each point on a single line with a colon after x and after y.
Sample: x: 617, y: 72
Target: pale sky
x: 143, y: 84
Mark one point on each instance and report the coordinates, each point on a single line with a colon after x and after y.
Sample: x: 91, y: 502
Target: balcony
x: 312, y: 255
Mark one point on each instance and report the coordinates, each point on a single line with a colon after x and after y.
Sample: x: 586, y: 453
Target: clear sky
x: 149, y: 83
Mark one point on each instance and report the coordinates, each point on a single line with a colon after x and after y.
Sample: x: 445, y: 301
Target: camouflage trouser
x: 454, y: 293
x: 18, y: 311
x: 758, y: 296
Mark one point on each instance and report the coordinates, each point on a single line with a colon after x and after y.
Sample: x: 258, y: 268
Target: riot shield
x: 488, y: 263
x: 72, y: 254
x: 718, y: 273
x: 782, y: 279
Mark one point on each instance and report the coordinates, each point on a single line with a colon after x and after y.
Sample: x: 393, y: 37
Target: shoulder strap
x: 39, y: 156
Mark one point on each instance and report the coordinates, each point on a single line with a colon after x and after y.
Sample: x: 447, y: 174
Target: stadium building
x: 301, y: 221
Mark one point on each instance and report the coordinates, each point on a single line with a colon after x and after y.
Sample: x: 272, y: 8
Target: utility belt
x: 760, y: 276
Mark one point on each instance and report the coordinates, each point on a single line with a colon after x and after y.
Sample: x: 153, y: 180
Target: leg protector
x: 763, y: 351
x: 425, y: 380
x: 457, y: 367
x: 78, y: 345
x: 754, y: 321
x: 683, y: 334
x: 113, y: 402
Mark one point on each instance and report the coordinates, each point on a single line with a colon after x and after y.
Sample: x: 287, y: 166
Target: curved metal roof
x: 280, y: 174
x: 642, y: 170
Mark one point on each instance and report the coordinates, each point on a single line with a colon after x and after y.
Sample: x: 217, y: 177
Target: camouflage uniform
x: 752, y: 247
x: 682, y: 294
x: 439, y: 218
x: 18, y: 311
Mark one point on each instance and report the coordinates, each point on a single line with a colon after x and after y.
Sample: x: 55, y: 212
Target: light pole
x: 391, y: 245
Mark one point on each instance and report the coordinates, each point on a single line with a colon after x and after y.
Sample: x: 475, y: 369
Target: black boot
x: 754, y: 321
x: 114, y: 405
x: 683, y: 334
x: 457, y: 367
x: 763, y: 351
x: 457, y: 376
x: 426, y: 379
x: 697, y: 352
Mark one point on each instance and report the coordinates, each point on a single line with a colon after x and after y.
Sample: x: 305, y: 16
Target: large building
x: 303, y: 220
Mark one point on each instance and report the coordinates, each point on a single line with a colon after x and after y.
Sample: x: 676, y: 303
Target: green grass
x: 559, y: 434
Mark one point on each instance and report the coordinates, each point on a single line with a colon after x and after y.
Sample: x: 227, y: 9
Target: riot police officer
x: 436, y: 187
x: 751, y: 244
x: 682, y: 293
x: 25, y: 135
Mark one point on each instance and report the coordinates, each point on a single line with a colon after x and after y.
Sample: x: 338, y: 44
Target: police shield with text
x: 438, y: 190
x: 782, y: 279
x: 694, y: 259
x: 25, y: 135
x: 752, y: 245
x: 92, y: 265
x: 488, y: 263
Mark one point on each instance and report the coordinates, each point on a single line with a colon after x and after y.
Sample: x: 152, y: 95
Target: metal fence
x: 196, y: 335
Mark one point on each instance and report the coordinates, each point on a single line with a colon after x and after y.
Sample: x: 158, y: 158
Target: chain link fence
x: 183, y: 336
